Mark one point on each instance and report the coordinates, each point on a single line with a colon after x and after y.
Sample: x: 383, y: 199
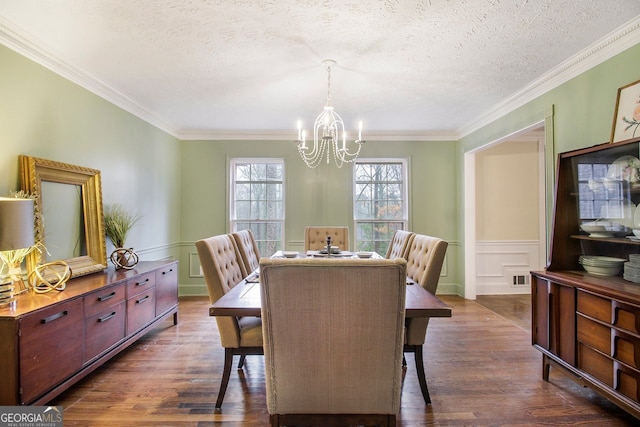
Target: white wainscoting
x: 501, y: 263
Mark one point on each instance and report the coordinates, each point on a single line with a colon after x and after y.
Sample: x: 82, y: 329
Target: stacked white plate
x: 602, y: 265
x: 632, y: 269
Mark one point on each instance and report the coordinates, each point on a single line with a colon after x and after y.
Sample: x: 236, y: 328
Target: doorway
x: 502, y: 267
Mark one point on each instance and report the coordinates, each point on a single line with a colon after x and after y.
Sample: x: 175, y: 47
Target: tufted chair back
x: 223, y: 269
x: 315, y: 237
x: 221, y: 264
x: 400, y: 244
x: 248, y: 249
x: 333, y: 331
x: 424, y: 260
x: 424, y: 264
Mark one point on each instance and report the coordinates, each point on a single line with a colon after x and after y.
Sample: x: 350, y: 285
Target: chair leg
x: 226, y: 372
x: 241, y: 362
x: 274, y: 421
x: 417, y: 352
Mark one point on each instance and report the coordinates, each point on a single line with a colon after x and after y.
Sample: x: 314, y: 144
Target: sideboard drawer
x: 594, y: 306
x: 595, y: 364
x: 628, y: 381
x: 98, y: 301
x: 51, y: 347
x: 594, y: 334
x: 104, y: 329
x: 141, y: 283
x: 141, y: 309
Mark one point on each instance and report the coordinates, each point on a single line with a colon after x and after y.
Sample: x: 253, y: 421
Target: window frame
x: 405, y: 195
x: 233, y: 220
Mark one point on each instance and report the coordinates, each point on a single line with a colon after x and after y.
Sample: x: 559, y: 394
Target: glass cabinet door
x: 608, y: 189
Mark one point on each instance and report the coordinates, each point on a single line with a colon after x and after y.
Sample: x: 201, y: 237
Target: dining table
x: 244, y: 298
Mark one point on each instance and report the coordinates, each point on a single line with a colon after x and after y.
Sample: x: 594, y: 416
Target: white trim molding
x: 504, y: 267
x: 608, y: 46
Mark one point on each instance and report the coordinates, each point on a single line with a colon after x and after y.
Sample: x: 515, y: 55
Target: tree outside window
x: 257, y: 201
x: 380, y: 203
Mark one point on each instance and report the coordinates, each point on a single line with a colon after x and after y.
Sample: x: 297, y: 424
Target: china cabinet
x: 48, y: 342
x: 588, y: 323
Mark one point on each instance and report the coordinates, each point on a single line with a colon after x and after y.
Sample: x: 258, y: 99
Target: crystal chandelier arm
x: 329, y: 137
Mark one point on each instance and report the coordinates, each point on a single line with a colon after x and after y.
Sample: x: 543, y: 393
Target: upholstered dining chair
x: 315, y: 237
x: 424, y: 264
x: 248, y: 249
x: 400, y: 244
x: 223, y: 269
x: 333, y: 338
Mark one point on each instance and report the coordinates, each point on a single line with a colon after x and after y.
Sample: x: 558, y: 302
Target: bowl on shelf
x: 601, y: 229
x: 592, y: 227
x: 602, y: 265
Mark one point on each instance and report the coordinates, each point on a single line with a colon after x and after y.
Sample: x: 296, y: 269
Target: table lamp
x: 16, y: 238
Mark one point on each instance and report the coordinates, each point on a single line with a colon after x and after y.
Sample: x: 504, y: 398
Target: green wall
x: 582, y: 115
x: 583, y: 107
x: 179, y: 187
x: 45, y: 115
x: 320, y: 196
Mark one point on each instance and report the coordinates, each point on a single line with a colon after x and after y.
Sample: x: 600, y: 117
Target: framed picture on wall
x: 626, y: 119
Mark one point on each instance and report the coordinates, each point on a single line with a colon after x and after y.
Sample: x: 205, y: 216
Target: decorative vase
x: 124, y: 258
x: 7, y: 292
x: 11, y: 284
x: 15, y: 274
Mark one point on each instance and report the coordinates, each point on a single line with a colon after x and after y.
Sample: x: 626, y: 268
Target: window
x: 380, y: 202
x: 257, y: 201
x: 602, y: 193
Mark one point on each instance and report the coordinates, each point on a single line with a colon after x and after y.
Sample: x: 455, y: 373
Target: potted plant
x: 118, y: 221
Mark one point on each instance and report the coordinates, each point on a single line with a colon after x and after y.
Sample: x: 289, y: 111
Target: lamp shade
x: 16, y: 223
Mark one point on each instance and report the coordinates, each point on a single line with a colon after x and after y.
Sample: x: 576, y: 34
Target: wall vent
x: 520, y: 280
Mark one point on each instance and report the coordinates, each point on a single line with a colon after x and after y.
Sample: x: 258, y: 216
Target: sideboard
x: 584, y: 323
x: 48, y: 342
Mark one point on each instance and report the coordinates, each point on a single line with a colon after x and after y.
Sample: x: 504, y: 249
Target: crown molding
x: 45, y: 56
x: 289, y: 135
x: 607, y: 47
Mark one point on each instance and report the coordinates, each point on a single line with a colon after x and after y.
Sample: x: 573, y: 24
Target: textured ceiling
x: 206, y: 67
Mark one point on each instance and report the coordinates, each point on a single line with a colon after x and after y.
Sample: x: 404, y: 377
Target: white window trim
x: 231, y: 188
x: 405, y: 178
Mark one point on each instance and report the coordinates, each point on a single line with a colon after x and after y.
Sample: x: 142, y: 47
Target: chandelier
x: 329, y: 137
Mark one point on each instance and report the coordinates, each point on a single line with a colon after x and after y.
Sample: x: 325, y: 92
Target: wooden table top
x: 244, y: 300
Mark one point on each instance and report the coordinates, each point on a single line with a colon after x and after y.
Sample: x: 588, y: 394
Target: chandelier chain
x: 328, y: 84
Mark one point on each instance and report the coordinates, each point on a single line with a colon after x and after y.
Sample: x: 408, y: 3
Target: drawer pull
x: 617, y: 306
x: 107, y: 317
x: 141, y: 300
x: 143, y: 282
x: 54, y: 317
x: 165, y: 272
x: 107, y: 297
x: 617, y: 335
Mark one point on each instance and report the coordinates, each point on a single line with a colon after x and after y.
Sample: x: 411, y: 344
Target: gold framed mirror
x: 69, y: 214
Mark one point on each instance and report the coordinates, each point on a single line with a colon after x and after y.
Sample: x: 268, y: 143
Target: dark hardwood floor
x: 516, y: 308
x: 480, y: 366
